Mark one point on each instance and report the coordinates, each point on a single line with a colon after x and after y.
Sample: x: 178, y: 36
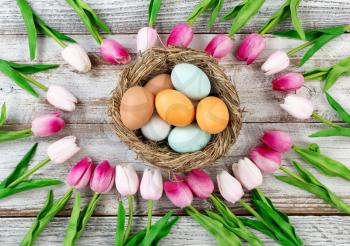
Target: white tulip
x: 298, y: 106
x: 77, y: 57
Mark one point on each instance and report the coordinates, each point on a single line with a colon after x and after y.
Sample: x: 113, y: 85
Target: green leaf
x: 294, y: 4
x: 259, y: 226
x: 13, y: 135
x: 198, y: 10
x: 156, y: 229
x: 73, y: 224
x: 216, y: 8
x: 27, y: 14
x: 234, y: 11
x: 153, y: 9
x: 166, y: 230
x: 136, y: 238
x: 342, y: 67
x: 317, y: 74
x: 31, y: 68
x: 3, y: 114
x: 331, y: 132
x: 338, y: 108
x: 119, y: 237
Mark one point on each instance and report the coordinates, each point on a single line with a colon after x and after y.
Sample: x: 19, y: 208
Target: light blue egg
x: 190, y: 80
x: 188, y: 139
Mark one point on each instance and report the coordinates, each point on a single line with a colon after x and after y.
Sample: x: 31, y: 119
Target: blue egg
x: 191, y: 81
x: 188, y: 139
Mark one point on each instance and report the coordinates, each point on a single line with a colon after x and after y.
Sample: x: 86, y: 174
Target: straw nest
x: 156, y: 61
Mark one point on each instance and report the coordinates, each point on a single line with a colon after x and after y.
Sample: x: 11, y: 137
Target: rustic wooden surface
x: 316, y: 222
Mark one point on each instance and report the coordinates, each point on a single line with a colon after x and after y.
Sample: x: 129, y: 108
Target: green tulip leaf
x: 331, y: 132
x: 119, y: 236
x: 155, y: 230
x: 73, y: 225
x: 13, y: 135
x: 341, y: 68
x: 206, y: 5
x: 153, y: 9
x: 338, y: 108
x: 3, y: 114
x: 30, y: 68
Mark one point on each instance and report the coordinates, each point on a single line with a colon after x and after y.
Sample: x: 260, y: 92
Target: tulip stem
x: 315, y: 75
x: 318, y: 117
x: 34, y: 82
x: 131, y: 214
x: 149, y: 214
x: 300, y: 47
x: 29, y: 172
x: 253, y: 212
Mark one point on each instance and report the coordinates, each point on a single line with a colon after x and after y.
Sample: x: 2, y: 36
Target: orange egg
x: 174, y: 107
x: 212, y: 115
x: 136, y: 107
x: 159, y: 83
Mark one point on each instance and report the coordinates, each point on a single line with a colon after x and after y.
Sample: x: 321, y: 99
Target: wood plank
x: 99, y: 141
x: 314, y: 230
x: 261, y: 104
x: 128, y: 16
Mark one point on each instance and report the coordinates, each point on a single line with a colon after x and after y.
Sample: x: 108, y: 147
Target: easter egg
x: 174, y: 107
x: 136, y: 107
x: 190, y: 80
x: 188, y: 139
x: 156, y: 129
x: 159, y: 83
x: 212, y: 115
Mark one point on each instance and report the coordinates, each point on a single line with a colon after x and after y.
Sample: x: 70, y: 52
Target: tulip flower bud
x: 288, y: 82
x: 200, y: 183
x: 229, y: 187
x: 298, y: 106
x: 220, y: 46
x: 47, y: 125
x: 276, y: 62
x: 178, y: 192
x: 151, y: 187
x: 114, y: 52
x: 80, y: 174
x: 250, y: 48
x: 266, y: 159
x: 63, y: 149
x: 247, y: 173
x: 77, y: 57
x: 61, y: 98
x: 146, y: 38
x: 126, y: 180
x: 102, y: 179
x: 180, y: 36
x: 277, y: 140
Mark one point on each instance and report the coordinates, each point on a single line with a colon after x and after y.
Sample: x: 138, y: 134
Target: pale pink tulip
x: 266, y: 159
x: 219, y: 46
x: 77, y: 57
x: 114, y: 52
x: 180, y: 36
x: 151, y: 187
x: 80, y: 174
x: 126, y: 180
x: 298, y: 106
x: 250, y: 48
x: 61, y: 98
x: 276, y: 62
x: 178, y: 192
x: 200, y: 183
x: 102, y: 179
x: 63, y: 149
x: 289, y: 82
x: 247, y: 173
x: 229, y: 187
x: 278, y: 140
x: 47, y: 125
x: 146, y: 38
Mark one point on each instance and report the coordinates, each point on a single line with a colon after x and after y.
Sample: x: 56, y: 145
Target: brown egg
x: 136, y: 107
x: 159, y: 83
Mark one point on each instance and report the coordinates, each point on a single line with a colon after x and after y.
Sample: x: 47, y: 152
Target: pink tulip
x: 47, y: 125
x: 276, y: 62
x: 298, y: 106
x: 146, y: 38
x: 80, y: 174
x: 288, y: 82
x: 250, y: 48
x: 266, y: 159
x: 102, y: 179
x: 151, y: 187
x: 61, y: 98
x: 229, y: 187
x: 247, y: 173
x: 126, y: 180
x: 220, y: 46
x: 200, y: 183
x: 277, y: 140
x: 114, y: 52
x: 178, y: 192
x: 63, y: 149
x: 181, y: 36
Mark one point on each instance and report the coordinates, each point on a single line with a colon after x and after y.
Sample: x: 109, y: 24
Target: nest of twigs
x: 156, y: 61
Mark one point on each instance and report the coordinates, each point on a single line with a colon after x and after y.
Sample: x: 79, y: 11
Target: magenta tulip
x: 126, y: 180
x: 47, y: 125
x: 250, y: 48
x: 289, y: 82
x: 266, y: 159
x: 247, y: 173
x: 229, y: 187
x: 61, y: 98
x: 276, y: 62
x: 200, y: 183
x: 180, y: 36
x: 102, y: 179
x: 80, y: 174
x: 178, y: 192
x: 277, y: 140
x: 114, y: 52
x: 151, y: 187
x: 63, y: 149
x: 146, y: 38
x: 220, y: 46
